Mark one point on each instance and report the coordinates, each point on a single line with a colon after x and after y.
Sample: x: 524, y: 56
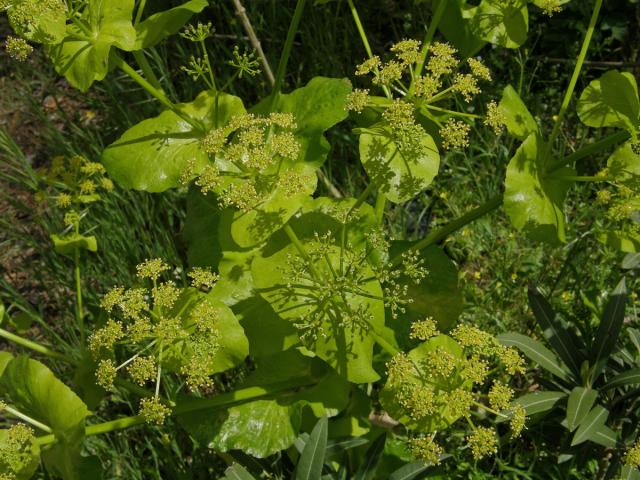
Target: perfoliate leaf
x: 443, y: 416
x: 35, y: 391
x: 155, y: 153
x: 534, y: 198
x: 398, y: 173
x: 45, y: 22
x: 611, y: 101
x: 83, y: 57
x: 519, y: 122
x: 266, y: 426
x: 501, y: 23
x: 153, y: 29
x: 69, y: 244
x: 578, y: 405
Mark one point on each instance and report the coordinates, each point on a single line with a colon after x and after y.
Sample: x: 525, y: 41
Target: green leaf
x: 312, y: 458
x: 624, y: 165
x: 35, y: 391
x: 265, y: 426
x: 21, y: 466
x: 501, y: 23
x: 631, y: 261
x: 437, y: 296
x: 400, y: 175
x: 611, y: 101
x: 537, y: 353
x: 69, y: 244
x: 237, y: 472
x: 456, y: 27
x: 624, y: 241
x: 578, y: 405
x: 555, y: 331
x: 316, y: 107
x: 46, y: 20
x: 629, y: 377
x: 153, y: 154
x: 539, y: 402
x: 84, y: 58
x: 442, y: 417
x: 593, y: 428
x: 533, y: 198
x: 158, y: 26
x: 367, y: 468
x: 610, y: 324
x: 629, y: 473
x: 519, y: 122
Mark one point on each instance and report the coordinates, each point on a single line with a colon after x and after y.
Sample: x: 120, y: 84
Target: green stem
x: 144, y: 64
x: 583, y: 178
x: 26, y: 418
x: 365, y: 41
x: 426, y: 43
x: 36, y: 347
x: 363, y: 196
x: 197, y: 404
x: 574, y: 78
x: 386, y: 346
x: 452, y: 112
x: 205, y: 55
x: 79, y: 307
x: 381, y: 203
x: 286, y: 52
x: 449, y: 228
x: 154, y: 92
x: 606, y: 142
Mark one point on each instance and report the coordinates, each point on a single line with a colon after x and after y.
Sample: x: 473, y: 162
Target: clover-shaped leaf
x: 83, y: 55
x: 400, y: 173
x: 534, y: 198
x: 611, y: 101
x: 155, y: 153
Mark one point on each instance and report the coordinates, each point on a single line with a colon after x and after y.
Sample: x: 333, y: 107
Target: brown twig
x: 255, y: 43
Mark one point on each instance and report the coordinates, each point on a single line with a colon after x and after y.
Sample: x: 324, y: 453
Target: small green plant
x: 322, y: 313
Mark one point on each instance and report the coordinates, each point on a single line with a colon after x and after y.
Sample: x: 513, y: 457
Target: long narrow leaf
x: 312, y: 458
x: 630, y: 377
x: 554, y: 331
x: 579, y: 405
x: 409, y: 471
x: 610, y: 324
x: 536, y: 402
x: 593, y: 428
x: 536, y: 352
x: 371, y: 459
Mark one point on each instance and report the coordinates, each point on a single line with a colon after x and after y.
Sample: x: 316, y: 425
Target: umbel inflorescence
x: 251, y: 156
x: 16, y: 446
x: 447, y: 380
x: 445, y: 76
x: 161, y: 327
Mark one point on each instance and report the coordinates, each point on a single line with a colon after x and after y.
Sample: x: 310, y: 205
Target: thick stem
x: 36, y: 347
x: 79, y: 306
x: 381, y: 203
x: 449, y: 228
x: 154, y: 92
x: 197, y: 404
x: 144, y: 64
x: 426, y: 43
x: 596, y: 147
x: 286, y: 52
x: 574, y: 78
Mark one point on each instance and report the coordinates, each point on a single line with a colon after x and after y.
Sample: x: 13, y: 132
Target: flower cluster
x: 448, y: 378
x: 622, y: 201
x: 251, y: 156
x: 632, y: 456
x: 443, y: 77
x: 25, y: 15
x: 151, y: 324
x: 15, y: 450
x: 79, y: 180
x: 18, y: 48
